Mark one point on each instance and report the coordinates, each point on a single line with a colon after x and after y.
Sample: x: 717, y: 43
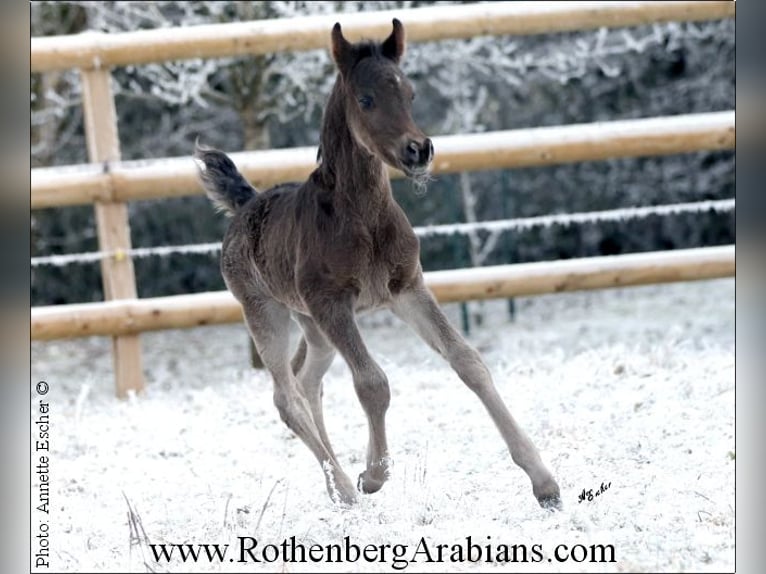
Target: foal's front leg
x: 335, y: 317
x: 418, y: 308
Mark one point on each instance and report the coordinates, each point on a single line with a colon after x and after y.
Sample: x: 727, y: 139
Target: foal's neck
x: 358, y: 179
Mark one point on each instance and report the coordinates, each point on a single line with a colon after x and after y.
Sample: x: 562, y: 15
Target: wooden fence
x: 95, y: 50
x: 109, y: 184
x: 127, y: 317
x: 173, y: 177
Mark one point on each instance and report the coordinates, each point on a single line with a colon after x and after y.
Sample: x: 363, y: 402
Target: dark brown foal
x: 337, y: 244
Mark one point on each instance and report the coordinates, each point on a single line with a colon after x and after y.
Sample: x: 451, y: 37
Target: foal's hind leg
x: 269, y: 324
x: 335, y: 317
x: 418, y: 308
x: 312, y: 359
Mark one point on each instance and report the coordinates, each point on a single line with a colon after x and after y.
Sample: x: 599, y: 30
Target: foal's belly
x: 373, y: 294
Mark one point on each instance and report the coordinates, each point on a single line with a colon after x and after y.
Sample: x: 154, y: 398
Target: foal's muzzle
x: 418, y: 155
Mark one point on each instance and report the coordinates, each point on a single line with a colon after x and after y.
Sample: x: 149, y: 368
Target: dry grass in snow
x: 633, y: 387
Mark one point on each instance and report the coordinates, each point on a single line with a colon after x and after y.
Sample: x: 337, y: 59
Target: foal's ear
x: 342, y: 50
x: 393, y: 47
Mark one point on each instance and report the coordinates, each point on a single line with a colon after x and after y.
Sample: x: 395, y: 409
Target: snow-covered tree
x: 471, y: 75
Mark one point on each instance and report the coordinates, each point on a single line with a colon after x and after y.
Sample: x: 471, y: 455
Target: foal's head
x: 378, y: 101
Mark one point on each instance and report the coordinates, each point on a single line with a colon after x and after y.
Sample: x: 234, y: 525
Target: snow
x: 633, y: 387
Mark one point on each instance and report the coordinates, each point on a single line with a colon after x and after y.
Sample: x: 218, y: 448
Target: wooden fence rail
x: 94, y: 50
x: 127, y: 317
x: 172, y: 177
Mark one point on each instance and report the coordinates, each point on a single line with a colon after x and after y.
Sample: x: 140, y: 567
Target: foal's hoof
x: 342, y: 491
x: 548, y: 496
x: 551, y: 502
x: 369, y: 483
x: 343, y: 498
x: 346, y: 499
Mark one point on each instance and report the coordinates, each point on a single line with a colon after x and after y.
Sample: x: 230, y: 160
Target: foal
x: 323, y: 250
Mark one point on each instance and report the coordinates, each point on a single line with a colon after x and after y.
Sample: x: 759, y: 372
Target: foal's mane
x: 368, y: 49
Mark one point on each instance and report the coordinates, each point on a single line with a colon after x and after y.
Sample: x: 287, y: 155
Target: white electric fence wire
x: 498, y: 226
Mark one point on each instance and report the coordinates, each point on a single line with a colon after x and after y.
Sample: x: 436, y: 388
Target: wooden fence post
x: 117, y: 272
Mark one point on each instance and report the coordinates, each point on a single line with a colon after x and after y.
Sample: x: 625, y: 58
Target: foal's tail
x: 224, y: 185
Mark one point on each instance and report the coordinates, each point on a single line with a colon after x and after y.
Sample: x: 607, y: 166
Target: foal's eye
x: 366, y: 102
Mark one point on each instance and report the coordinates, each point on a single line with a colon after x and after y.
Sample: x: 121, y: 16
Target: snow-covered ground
x: 632, y: 387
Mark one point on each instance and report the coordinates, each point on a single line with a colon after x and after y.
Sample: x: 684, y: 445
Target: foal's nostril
x: 426, y: 152
x: 419, y: 153
x: 413, y: 152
